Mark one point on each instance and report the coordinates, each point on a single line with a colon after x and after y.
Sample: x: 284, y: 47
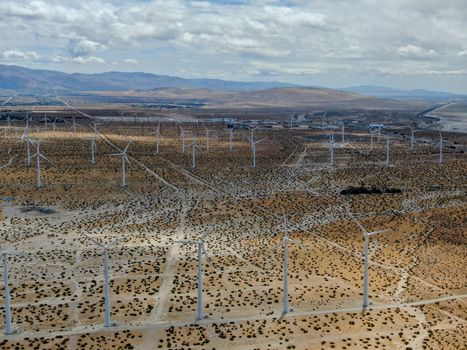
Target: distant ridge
x: 385, y: 92
x: 26, y: 79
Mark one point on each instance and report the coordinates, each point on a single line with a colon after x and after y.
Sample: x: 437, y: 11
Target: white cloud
x: 78, y: 59
x: 415, y: 52
x: 462, y: 53
x: 130, y: 61
x: 18, y: 55
x: 84, y: 47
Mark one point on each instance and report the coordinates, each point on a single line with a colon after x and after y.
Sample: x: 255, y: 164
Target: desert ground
x: 417, y: 268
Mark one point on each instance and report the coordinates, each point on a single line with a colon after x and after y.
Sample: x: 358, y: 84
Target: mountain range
x: 25, y: 79
x: 21, y: 79
x: 385, y: 92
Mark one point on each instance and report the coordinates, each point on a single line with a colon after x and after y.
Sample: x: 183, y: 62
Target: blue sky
x: 397, y: 43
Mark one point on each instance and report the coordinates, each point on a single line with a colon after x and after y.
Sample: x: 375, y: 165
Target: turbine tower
x: 366, y: 235
x: 93, y: 150
x: 27, y: 140
x: 253, y: 146
x: 105, y: 248
x: 285, y: 246
x: 441, y: 143
x: 231, y: 131
x: 207, y: 137
x: 194, y: 146
x: 38, y: 156
x: 342, y: 132
x: 158, y: 135
x: 123, y: 154
x: 201, y: 251
x: 412, y: 137
x: 5, y: 254
x: 182, y: 136
x: 331, y: 147
x: 388, y: 151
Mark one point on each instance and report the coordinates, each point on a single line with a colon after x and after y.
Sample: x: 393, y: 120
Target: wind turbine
x: 123, y: 154
x: 93, y: 150
x: 54, y: 126
x: 253, y: 146
x: 26, y: 139
x: 5, y: 254
x: 441, y: 144
x: 194, y: 146
x: 182, y: 136
x: 412, y: 137
x: 105, y: 248
x: 45, y: 121
x: 285, y: 246
x: 331, y: 147
x: 207, y: 137
x: 38, y: 156
x: 74, y: 125
x: 201, y: 251
x: 324, y: 118
x: 231, y: 131
x: 388, y: 151
x: 158, y: 135
x: 367, y: 235
x: 291, y: 121
x: 343, y: 132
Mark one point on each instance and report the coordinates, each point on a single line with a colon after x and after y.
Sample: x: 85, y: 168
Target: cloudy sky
x: 335, y: 43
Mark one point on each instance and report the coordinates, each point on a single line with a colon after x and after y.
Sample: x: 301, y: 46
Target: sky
x: 405, y: 44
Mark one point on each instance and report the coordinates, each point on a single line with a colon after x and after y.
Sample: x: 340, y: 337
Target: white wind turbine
x: 388, y: 150
x: 123, y: 154
x: 105, y: 248
x: 208, y: 132
x: 54, y: 126
x: 324, y: 118
x: 285, y: 246
x: 291, y: 121
x: 93, y: 150
x: 412, y: 137
x: 182, y: 136
x: 194, y: 146
x: 158, y: 135
x: 253, y: 146
x: 231, y: 132
x: 367, y: 235
x: 27, y: 140
x: 45, y: 121
x: 38, y: 156
x: 331, y: 147
x: 74, y: 125
x: 342, y: 132
x: 201, y: 251
x: 441, y: 145
x: 5, y: 254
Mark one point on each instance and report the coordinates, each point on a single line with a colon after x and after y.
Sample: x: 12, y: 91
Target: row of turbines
x: 124, y: 154
x: 375, y: 130
x: 201, y: 252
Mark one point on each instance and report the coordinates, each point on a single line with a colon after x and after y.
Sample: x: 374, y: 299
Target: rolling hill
x: 25, y: 79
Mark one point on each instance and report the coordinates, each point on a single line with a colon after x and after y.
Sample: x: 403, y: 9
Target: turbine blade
x: 186, y: 242
x: 203, y: 248
x: 296, y: 243
x: 47, y: 159
x: 93, y: 240
x: 376, y: 232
